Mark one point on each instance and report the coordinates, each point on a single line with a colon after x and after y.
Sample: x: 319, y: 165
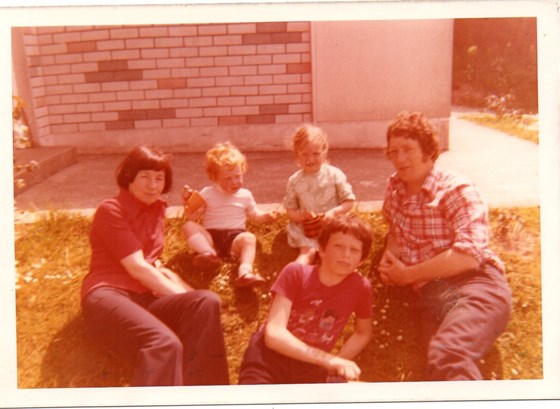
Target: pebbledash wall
x: 185, y: 87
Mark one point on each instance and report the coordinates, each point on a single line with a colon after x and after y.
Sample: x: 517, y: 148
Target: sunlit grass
x: 525, y: 127
x: 52, y: 258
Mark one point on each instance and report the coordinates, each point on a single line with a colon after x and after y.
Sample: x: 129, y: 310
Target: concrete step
x: 48, y: 159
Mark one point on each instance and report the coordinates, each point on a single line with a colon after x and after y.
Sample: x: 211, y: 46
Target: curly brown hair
x: 415, y: 125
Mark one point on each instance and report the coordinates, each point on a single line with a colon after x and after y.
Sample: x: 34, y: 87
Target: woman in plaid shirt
x: 438, y: 244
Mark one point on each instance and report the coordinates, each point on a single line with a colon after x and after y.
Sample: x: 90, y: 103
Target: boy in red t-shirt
x: 311, y: 306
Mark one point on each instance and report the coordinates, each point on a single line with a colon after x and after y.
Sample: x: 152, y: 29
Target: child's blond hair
x: 309, y: 133
x: 224, y: 155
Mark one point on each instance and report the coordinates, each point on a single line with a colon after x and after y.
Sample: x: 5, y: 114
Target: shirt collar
x: 429, y: 187
x: 430, y: 184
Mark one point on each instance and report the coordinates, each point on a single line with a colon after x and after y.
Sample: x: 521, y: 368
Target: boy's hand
x: 186, y: 193
x: 262, y: 216
x: 196, y: 215
x: 344, y: 368
x: 193, y: 202
x: 272, y: 216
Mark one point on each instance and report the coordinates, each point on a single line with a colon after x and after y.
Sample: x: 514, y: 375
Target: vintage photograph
x: 264, y: 202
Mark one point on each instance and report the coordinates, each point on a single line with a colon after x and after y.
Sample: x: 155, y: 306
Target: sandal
x: 249, y: 280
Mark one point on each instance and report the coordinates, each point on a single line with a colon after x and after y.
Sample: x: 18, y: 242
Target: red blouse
x: 121, y: 226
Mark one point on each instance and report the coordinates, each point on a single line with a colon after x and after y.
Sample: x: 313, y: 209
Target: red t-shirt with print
x: 319, y: 312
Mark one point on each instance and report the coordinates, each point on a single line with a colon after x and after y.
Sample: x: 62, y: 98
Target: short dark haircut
x: 415, y: 125
x: 348, y: 224
x: 144, y: 158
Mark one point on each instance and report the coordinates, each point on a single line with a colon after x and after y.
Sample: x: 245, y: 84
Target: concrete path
x: 505, y: 168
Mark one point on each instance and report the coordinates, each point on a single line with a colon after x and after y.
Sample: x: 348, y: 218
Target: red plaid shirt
x: 447, y: 213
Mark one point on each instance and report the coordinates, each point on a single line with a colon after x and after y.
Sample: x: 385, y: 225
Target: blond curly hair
x: 224, y: 156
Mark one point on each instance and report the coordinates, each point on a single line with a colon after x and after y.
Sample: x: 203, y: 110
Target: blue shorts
x: 223, y: 239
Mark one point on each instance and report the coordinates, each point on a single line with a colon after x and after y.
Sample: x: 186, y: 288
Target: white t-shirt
x: 225, y: 211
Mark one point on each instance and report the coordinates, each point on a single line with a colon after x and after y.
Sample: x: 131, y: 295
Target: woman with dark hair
x: 131, y: 302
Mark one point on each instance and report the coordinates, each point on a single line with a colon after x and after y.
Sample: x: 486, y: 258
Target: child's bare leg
x: 245, y: 246
x: 306, y: 255
x: 201, y: 242
x: 198, y: 238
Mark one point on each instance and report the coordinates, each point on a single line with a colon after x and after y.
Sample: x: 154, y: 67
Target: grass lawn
x: 524, y: 127
x: 52, y: 257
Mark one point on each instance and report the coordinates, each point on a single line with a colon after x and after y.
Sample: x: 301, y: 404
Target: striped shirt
x: 448, y: 212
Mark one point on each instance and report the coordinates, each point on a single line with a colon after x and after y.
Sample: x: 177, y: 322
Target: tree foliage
x: 495, y: 56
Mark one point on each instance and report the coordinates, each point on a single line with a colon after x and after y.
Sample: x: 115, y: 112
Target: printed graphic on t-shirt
x: 314, y: 325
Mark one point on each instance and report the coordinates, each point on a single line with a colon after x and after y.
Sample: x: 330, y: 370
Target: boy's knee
x: 189, y: 228
x: 247, y: 238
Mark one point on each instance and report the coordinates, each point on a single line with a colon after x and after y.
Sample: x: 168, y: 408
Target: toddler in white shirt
x: 227, y: 204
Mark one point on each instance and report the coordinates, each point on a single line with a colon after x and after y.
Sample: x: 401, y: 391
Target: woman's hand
x: 175, y: 278
x: 151, y: 276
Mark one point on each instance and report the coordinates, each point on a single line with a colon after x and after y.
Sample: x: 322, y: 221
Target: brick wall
x: 103, y: 86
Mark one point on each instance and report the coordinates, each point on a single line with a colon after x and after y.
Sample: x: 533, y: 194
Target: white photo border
x: 548, y: 19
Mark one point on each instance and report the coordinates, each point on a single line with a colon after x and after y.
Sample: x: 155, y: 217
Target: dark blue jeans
x: 174, y: 339
x: 461, y: 319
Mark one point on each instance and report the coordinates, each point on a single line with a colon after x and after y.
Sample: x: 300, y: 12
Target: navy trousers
x: 174, y: 339
x: 262, y: 365
x: 461, y: 319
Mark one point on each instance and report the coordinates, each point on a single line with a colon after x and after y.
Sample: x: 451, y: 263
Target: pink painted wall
x: 366, y: 72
